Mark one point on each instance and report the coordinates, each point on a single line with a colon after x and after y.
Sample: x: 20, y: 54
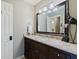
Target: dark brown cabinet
x: 36, y: 50
x: 56, y: 54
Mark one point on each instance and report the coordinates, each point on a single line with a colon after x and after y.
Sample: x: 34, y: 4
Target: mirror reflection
x: 52, y: 19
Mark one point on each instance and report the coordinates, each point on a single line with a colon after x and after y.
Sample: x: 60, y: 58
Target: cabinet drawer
x: 38, y: 46
x: 56, y: 54
x: 62, y: 56
x: 53, y: 50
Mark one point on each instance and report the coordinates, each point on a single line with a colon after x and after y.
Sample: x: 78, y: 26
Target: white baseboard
x: 20, y: 57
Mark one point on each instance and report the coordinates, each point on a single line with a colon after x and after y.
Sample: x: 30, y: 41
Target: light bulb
x: 51, y: 6
x: 45, y: 9
x: 40, y: 11
x: 52, y: 22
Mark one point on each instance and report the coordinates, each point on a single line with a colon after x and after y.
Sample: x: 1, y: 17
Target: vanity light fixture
x: 51, y: 6
x: 49, y: 11
x: 45, y: 9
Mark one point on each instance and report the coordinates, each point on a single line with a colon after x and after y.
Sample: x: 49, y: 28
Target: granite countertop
x: 68, y: 47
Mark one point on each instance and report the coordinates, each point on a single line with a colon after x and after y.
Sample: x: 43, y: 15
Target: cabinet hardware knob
x: 58, y: 55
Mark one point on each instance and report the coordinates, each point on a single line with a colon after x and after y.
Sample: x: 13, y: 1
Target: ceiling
x: 33, y: 2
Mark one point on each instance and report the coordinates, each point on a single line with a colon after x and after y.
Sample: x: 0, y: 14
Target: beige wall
x: 73, y: 13
x: 73, y: 8
x: 73, y: 29
x: 22, y: 14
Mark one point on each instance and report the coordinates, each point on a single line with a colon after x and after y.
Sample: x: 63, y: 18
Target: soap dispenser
x: 28, y: 30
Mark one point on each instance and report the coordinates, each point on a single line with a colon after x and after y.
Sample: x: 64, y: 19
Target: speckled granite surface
x: 68, y: 47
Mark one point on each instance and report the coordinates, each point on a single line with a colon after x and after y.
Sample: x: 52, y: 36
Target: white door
x: 6, y: 30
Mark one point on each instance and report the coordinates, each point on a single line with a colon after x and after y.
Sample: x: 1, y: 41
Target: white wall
x: 22, y: 14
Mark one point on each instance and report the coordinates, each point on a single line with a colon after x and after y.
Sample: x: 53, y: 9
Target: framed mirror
x: 52, y: 19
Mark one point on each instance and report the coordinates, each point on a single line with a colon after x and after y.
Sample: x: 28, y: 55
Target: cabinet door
x: 26, y: 47
x: 56, y: 54
x: 40, y: 50
x: 36, y: 50
x: 53, y: 54
x: 62, y: 55
x: 33, y: 54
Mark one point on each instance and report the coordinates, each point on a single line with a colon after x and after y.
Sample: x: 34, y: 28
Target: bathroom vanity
x: 51, y: 20
x: 40, y: 47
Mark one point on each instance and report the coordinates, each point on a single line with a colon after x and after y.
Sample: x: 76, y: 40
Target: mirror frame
x: 66, y: 3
